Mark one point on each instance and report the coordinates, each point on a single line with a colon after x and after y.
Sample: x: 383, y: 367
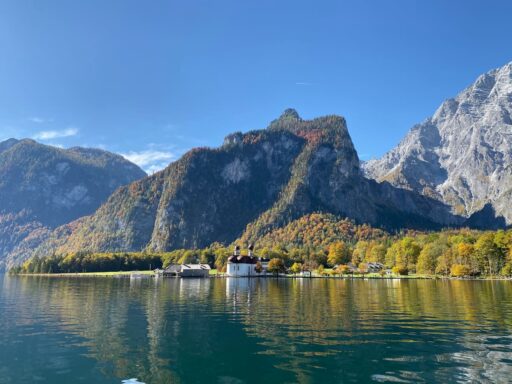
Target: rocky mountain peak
x: 6, y: 144
x: 288, y: 120
x: 462, y: 154
x: 290, y: 113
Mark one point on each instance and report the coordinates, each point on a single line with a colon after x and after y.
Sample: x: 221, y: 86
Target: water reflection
x: 253, y: 330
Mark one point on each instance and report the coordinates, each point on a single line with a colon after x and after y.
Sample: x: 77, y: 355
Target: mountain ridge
x: 462, y: 155
x: 252, y: 183
x: 43, y: 187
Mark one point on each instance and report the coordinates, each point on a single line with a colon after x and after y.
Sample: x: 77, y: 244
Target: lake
x: 115, y: 330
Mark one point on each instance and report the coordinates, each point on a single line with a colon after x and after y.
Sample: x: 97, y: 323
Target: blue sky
x: 152, y: 79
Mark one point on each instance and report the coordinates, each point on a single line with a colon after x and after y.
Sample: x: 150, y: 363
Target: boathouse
x: 187, y: 270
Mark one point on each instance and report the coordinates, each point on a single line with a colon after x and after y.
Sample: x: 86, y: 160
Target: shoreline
x: 151, y: 274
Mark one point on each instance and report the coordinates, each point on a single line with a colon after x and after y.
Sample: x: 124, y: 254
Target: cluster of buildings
x: 247, y: 265
x: 238, y: 266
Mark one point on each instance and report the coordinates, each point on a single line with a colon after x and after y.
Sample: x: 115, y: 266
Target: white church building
x: 244, y: 266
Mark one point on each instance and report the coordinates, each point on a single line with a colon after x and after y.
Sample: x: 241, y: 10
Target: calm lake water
x: 106, y: 330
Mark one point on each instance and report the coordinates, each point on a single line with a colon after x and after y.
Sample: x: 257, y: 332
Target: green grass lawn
x: 105, y: 274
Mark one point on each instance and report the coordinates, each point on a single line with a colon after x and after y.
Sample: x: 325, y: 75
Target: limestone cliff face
x: 42, y: 187
x: 254, y: 182
x: 462, y: 155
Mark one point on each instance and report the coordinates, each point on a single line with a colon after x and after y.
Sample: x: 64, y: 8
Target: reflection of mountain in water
x: 294, y: 330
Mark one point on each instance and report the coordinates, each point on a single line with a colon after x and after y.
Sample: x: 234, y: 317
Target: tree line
x: 90, y: 262
x: 460, y: 252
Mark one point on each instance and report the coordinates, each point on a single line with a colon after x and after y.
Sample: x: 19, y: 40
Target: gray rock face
x: 462, y: 155
x: 253, y: 183
x: 42, y: 187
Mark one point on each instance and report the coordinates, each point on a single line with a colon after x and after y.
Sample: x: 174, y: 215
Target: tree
x: 400, y: 270
x: 359, y: 253
x: 338, y: 253
x: 275, y: 266
x: 296, y: 268
x: 444, y: 262
x: 464, y: 253
x: 427, y: 260
x: 319, y: 257
x: 488, y: 252
x: 221, y: 258
x: 506, y: 270
x: 207, y: 256
x: 258, y: 268
x: 309, y: 266
x: 342, y: 269
x: 460, y: 270
x: 391, y: 254
x: 409, y: 252
x: 188, y: 257
x: 377, y: 253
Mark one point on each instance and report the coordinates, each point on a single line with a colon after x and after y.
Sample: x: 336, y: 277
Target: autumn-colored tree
x: 296, y: 268
x: 403, y: 252
x: 342, y: 269
x: 400, y: 270
x: 444, y: 262
x: 391, y: 254
x: 489, y: 253
x: 409, y: 252
x: 338, y: 253
x: 363, y: 268
x: 377, y: 253
x: 188, y: 257
x: 221, y: 257
x: 460, y: 270
x: 427, y: 260
x: 359, y: 252
x: 506, y: 270
x: 465, y: 253
x: 309, y: 266
x: 276, y: 266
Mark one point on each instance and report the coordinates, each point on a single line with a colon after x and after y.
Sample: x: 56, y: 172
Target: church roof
x: 242, y: 259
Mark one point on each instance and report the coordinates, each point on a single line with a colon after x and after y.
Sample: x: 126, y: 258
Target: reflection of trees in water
x: 141, y: 328
x: 305, y: 320
x: 110, y: 315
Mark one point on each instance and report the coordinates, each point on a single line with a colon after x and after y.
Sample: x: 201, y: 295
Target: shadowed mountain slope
x: 43, y: 187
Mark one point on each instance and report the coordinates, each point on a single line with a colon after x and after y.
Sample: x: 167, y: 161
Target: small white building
x: 242, y: 266
x: 187, y: 270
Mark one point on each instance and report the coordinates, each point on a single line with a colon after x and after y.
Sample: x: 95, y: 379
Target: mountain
x: 43, y: 187
x: 462, y: 155
x: 253, y: 183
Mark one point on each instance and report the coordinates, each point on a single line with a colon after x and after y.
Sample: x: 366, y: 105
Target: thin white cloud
x: 304, y: 83
x: 49, y: 135
x: 151, y: 160
x: 39, y: 120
